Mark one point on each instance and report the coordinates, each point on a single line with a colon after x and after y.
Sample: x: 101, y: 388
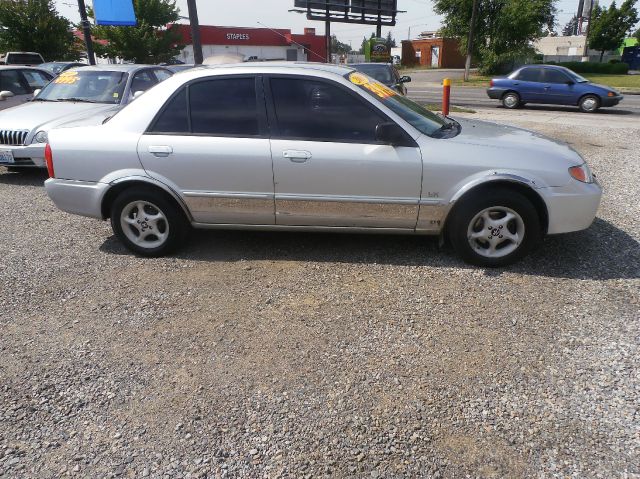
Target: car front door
x: 210, y: 143
x: 559, y: 88
x: 329, y: 169
x: 529, y: 86
x: 13, y: 81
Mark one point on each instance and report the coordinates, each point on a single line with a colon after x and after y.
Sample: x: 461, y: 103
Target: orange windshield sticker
x: 67, y: 78
x: 374, y: 87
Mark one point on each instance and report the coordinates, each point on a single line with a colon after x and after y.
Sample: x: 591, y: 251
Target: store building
x: 258, y: 44
x: 436, y: 52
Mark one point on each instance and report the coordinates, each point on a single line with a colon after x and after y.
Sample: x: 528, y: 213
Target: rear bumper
x: 495, y: 93
x: 27, y: 156
x: 611, y: 100
x: 572, y: 207
x: 77, y: 197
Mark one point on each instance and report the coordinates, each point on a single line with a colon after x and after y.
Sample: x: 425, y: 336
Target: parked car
x: 287, y: 146
x: 554, y: 85
x: 58, y: 67
x: 385, y: 73
x: 21, y: 58
x: 18, y: 83
x: 84, y: 95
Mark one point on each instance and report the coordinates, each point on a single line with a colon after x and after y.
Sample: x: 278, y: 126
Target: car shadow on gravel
x: 26, y: 177
x: 601, y: 252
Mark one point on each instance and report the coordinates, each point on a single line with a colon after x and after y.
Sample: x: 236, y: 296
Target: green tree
x: 609, y: 26
x: 36, y: 26
x: 391, y: 42
x: 338, y: 47
x: 148, y: 42
x: 504, y: 30
x: 571, y: 28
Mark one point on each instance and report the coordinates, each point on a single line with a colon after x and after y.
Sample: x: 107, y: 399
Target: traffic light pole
x: 195, y: 32
x: 86, y: 29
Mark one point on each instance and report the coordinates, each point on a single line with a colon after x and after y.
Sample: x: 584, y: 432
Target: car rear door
x: 210, y: 143
x: 329, y: 170
x: 528, y: 84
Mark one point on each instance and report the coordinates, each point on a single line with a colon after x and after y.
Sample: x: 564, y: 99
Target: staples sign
x: 238, y: 36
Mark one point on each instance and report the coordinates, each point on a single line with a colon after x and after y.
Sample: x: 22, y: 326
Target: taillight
x: 491, y: 83
x: 48, y: 157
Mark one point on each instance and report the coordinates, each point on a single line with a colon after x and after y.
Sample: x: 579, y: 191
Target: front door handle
x: 161, y: 151
x: 297, y: 156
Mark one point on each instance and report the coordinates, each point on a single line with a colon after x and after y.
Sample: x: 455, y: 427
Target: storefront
x: 256, y: 44
x: 432, y: 52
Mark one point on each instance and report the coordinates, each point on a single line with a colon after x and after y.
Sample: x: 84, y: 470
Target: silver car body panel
x: 254, y: 183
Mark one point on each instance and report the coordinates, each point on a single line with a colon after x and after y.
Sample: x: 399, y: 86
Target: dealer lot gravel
x: 306, y: 355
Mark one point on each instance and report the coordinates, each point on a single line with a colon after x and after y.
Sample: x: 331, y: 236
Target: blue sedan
x: 553, y: 85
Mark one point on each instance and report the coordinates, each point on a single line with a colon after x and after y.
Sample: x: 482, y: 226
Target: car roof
x: 119, y: 67
x: 261, y: 66
x: 23, y: 67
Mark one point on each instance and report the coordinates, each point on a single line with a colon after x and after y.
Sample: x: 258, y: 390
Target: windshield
x: 417, y: 116
x: 382, y: 73
x: 88, y: 86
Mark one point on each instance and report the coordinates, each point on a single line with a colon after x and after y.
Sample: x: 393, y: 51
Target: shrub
x: 595, y: 67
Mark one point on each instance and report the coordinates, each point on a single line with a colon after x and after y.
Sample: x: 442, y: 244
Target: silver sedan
x: 289, y: 146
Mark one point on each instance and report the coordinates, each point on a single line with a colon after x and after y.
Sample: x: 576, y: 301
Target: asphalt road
x: 477, y: 98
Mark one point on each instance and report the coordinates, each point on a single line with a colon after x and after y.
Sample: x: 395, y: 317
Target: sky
x: 419, y: 16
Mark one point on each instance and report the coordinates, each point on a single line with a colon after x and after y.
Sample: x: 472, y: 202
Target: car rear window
x: 530, y: 74
x: 23, y: 59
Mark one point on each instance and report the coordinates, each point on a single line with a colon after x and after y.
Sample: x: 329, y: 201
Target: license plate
x: 6, y: 156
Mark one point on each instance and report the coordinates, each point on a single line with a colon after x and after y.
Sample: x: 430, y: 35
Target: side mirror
x: 393, y: 135
x: 36, y: 92
x: 136, y: 94
x: 405, y: 79
x: 4, y: 94
x: 571, y: 82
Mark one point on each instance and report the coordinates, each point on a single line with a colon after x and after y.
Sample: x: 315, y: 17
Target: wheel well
x: 526, y: 191
x: 115, y: 190
x: 510, y: 91
x: 590, y: 94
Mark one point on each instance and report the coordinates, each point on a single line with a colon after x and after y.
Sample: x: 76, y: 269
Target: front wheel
x: 589, y: 104
x: 494, y: 227
x: 147, y: 222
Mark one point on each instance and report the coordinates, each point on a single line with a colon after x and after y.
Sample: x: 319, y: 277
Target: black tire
x: 463, y: 223
x: 174, y: 226
x: 589, y: 104
x: 511, y: 100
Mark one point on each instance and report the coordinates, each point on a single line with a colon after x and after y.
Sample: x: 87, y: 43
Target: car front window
x: 417, y: 116
x: 86, y: 86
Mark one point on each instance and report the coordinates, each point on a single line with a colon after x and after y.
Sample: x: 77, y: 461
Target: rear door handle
x: 160, y: 151
x: 297, y: 156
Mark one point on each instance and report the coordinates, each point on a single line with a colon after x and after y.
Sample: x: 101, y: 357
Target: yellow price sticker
x: 374, y: 87
x: 67, y: 78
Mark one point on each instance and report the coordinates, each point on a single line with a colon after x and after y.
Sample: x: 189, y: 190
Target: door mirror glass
x: 35, y: 92
x: 392, y: 134
x: 4, y: 94
x: 136, y: 94
x: 405, y: 79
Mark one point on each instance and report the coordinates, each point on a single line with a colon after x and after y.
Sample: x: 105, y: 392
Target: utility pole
x: 327, y: 34
x: 195, y: 32
x: 472, y: 25
x: 585, y: 53
x: 86, y: 29
x: 379, y: 25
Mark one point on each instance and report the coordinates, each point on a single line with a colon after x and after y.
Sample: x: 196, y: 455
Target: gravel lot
x: 302, y: 355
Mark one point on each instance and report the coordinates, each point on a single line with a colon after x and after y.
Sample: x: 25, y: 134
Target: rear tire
x: 589, y: 104
x: 494, y: 227
x: 511, y: 100
x: 147, y: 222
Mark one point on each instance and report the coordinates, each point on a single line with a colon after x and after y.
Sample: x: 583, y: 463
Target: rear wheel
x: 147, y: 222
x: 511, y: 100
x: 589, y: 104
x: 494, y: 227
